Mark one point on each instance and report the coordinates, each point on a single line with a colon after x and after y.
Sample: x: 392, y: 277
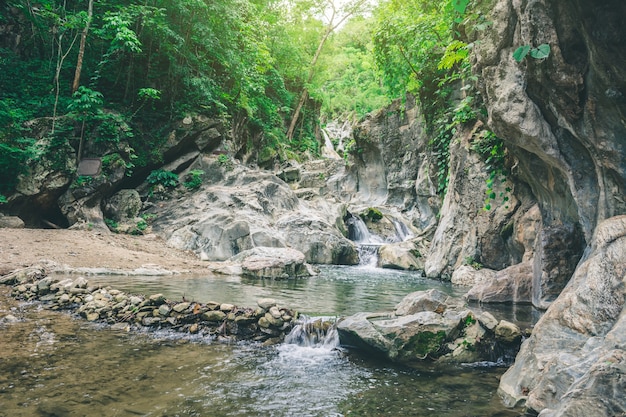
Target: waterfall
x: 402, y: 230
x: 328, y: 150
x: 367, y: 243
x: 315, y: 332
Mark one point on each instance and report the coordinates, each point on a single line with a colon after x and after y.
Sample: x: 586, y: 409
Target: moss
x: 425, y: 343
x: 372, y: 214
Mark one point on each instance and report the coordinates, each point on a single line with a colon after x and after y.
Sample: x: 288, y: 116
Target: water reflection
x: 335, y: 291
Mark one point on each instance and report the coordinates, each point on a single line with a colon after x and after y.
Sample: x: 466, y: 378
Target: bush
x: 167, y: 179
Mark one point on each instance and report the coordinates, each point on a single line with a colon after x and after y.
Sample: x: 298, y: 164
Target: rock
x: 123, y: 206
x: 214, y: 315
x: 164, y: 310
x: 157, y: 299
x: 275, y: 312
x: 402, y: 255
x: 487, y: 320
x: 92, y: 316
x: 465, y: 231
x: 11, y: 222
x: 225, y: 307
x: 272, y: 263
x: 562, y: 367
x: 9, y: 318
x: 511, y: 285
x: 430, y: 300
x: 468, y: 276
x: 266, y: 303
x: 181, y: 307
x: 508, y: 332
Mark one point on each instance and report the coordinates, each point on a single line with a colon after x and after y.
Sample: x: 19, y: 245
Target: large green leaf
x: 541, y: 52
x: 521, y: 52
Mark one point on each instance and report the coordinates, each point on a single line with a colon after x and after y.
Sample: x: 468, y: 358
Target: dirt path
x: 91, y: 249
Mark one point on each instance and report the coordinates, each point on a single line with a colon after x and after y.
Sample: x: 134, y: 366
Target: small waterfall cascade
x: 328, y: 150
x: 402, y: 231
x: 314, y: 332
x: 367, y: 242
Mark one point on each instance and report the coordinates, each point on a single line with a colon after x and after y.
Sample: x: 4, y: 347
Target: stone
x: 272, y: 263
x: 266, y: 303
x: 123, y: 206
x: 508, y: 332
x: 275, y: 312
x: 134, y: 300
x: 92, y: 316
x: 11, y: 222
x: 214, y: 315
x: 225, y: 307
x: 430, y: 300
x: 511, y: 285
x: 157, y: 299
x: 402, y: 255
x: 571, y: 359
x: 164, y: 310
x: 80, y: 282
x: 64, y: 299
x: 181, y: 307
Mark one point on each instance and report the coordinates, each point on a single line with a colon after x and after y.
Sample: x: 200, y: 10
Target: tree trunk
x: 81, y: 48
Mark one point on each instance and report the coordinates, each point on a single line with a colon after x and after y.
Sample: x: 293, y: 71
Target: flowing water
x: 53, y: 364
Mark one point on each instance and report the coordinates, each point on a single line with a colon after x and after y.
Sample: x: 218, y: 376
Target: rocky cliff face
x: 563, y: 121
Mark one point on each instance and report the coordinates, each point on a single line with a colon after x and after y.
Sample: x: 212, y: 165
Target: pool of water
x: 53, y: 364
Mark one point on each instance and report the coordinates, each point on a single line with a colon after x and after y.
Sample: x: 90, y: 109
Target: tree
x: 81, y: 48
x: 335, y: 15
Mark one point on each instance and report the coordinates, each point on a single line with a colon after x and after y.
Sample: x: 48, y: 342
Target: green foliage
x: 167, y: 179
x: 540, y: 52
x: 193, y: 179
x: 491, y: 148
x: 3, y: 199
x: 111, y: 224
x: 473, y: 263
x: 82, y: 181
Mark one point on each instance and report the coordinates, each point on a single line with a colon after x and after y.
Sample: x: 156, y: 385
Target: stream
x: 53, y: 364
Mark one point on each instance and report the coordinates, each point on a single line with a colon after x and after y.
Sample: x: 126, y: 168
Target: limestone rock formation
x: 238, y: 208
x: 573, y: 362
x: 562, y: 120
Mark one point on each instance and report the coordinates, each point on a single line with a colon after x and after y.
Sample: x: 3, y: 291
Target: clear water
x: 52, y: 364
x: 335, y: 291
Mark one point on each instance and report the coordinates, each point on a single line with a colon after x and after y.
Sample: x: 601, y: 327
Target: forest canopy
x: 121, y: 70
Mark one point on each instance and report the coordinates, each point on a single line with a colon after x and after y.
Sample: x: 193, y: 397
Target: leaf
x: 541, y: 52
x: 521, y: 52
x: 460, y: 5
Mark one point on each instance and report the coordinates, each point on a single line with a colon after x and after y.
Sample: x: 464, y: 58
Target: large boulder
x: 402, y: 255
x: 573, y: 363
x: 511, y: 285
x: 273, y: 263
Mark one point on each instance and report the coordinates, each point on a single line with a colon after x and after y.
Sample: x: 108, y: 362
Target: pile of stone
x: 267, y: 322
